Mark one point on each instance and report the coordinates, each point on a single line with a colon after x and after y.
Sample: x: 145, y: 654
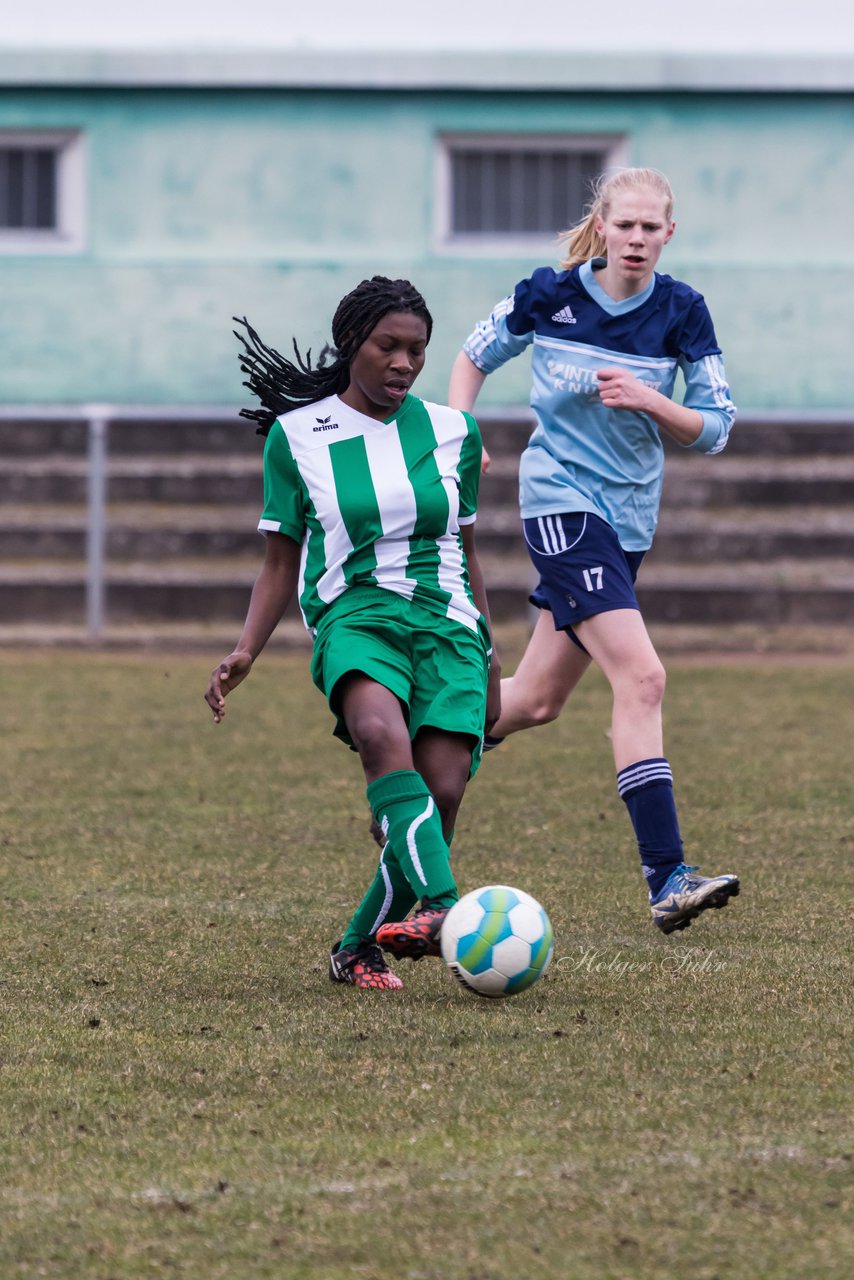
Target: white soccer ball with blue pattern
x: 497, y: 941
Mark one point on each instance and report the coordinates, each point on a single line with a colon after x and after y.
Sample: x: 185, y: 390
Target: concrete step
x: 166, y: 531
x: 697, y: 481
x: 167, y: 435
x: 177, y: 593
x: 215, y: 462
x: 184, y: 591
x: 787, y: 591
x: 717, y: 482
x: 777, y: 437
x: 753, y: 534
x: 692, y: 482
x: 186, y: 478
x: 802, y: 593
x: 784, y: 592
x: 217, y: 637
x: 732, y: 536
x: 25, y: 438
x: 135, y: 531
x: 505, y: 430
x: 505, y: 434
x: 678, y: 644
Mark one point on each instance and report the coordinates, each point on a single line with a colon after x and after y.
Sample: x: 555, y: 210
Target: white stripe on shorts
x: 554, y: 537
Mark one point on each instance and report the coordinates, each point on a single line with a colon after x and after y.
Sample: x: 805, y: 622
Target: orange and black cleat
x: 364, y: 967
x: 416, y: 937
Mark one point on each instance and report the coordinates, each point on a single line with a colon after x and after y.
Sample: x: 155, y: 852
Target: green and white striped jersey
x: 376, y: 503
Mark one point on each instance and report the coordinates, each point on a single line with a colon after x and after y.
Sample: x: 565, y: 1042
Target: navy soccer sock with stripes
x: 647, y: 789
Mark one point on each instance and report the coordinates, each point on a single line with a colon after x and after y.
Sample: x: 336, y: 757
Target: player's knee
x: 640, y: 688
x: 447, y: 794
x: 447, y: 785
x: 376, y: 743
x: 545, y: 706
x: 650, y: 684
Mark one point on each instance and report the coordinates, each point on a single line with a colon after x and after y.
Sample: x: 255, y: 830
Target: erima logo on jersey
x: 325, y: 424
x: 564, y: 316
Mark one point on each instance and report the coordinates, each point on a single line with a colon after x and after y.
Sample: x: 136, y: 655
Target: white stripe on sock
x: 410, y: 840
x: 389, y: 895
x: 639, y: 775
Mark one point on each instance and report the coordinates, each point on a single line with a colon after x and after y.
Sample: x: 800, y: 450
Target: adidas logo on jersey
x: 325, y: 424
x: 564, y: 316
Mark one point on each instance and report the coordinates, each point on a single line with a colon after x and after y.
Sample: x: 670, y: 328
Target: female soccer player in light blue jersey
x: 370, y: 498
x: 609, y: 335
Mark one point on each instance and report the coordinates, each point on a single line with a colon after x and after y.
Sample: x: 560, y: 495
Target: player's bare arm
x: 272, y: 593
x: 463, y: 389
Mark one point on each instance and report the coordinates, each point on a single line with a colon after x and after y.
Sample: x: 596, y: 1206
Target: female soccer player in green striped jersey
x: 370, y: 497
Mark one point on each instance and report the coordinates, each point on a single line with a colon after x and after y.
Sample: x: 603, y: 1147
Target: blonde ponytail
x: 582, y: 241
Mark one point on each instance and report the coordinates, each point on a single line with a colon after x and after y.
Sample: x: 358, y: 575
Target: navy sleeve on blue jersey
x: 506, y: 332
x: 706, y: 388
x: 696, y: 336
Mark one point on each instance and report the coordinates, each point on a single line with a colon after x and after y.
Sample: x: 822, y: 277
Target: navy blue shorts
x: 583, y: 569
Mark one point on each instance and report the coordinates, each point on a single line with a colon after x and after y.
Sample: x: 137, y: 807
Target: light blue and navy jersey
x: 583, y: 456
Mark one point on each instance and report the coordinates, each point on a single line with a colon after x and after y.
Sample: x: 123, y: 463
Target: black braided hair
x: 281, y: 384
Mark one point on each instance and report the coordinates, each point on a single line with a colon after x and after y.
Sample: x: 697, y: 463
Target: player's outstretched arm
x: 465, y: 383
x: 272, y: 593
x: 463, y: 389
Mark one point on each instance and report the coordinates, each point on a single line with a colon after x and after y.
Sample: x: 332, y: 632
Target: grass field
x: 183, y: 1093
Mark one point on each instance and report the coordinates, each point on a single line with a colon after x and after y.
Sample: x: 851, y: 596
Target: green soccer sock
x: 389, y: 898
x: 407, y: 813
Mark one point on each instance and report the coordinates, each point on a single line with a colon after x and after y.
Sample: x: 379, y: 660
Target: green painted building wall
x: 205, y: 202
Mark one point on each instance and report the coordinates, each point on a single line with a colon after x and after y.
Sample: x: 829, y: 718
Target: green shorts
x: 436, y: 667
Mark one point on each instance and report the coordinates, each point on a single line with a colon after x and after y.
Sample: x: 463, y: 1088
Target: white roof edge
x: 514, y: 72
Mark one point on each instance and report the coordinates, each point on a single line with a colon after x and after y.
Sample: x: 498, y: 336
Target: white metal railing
x: 96, y: 524
x: 99, y: 418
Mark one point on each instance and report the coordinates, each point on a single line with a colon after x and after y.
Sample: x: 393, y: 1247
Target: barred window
x: 28, y: 188
x: 503, y: 189
x: 41, y: 185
